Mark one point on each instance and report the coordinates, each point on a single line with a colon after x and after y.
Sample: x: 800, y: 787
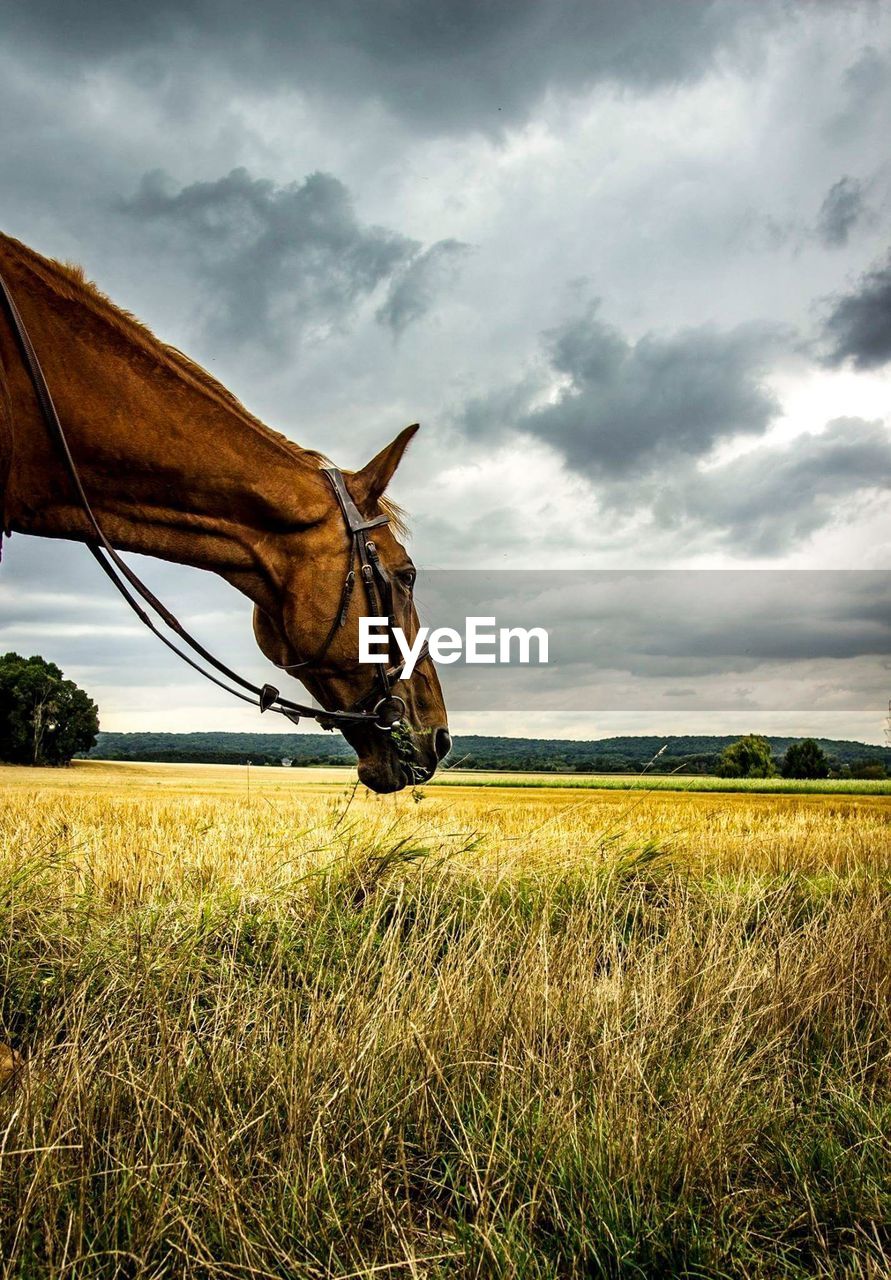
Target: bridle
x: 379, y: 590
x: 380, y: 707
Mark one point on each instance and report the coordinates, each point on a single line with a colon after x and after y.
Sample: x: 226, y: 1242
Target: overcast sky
x: 628, y: 264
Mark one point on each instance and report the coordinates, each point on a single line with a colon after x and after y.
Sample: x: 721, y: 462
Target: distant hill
x: 691, y: 753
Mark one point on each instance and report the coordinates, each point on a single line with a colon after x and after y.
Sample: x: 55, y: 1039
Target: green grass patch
x: 670, y: 782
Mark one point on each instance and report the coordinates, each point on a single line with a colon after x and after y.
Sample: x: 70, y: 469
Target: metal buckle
x: 389, y: 712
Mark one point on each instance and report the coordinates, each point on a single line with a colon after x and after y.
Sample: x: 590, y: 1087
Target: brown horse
x: 175, y: 467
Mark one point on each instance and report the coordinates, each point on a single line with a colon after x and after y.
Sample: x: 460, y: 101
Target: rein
x: 387, y: 709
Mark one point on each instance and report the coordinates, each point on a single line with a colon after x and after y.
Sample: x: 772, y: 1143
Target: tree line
x: 683, y: 755
x: 47, y: 719
x: 752, y: 757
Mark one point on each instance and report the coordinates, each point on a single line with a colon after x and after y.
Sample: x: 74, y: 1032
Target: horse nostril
x: 442, y: 743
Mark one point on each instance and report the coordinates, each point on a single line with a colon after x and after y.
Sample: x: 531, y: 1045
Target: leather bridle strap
x: 127, y: 582
x: 373, y: 576
x: 369, y: 566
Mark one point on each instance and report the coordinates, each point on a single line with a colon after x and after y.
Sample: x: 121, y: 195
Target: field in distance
x: 467, y: 1030
x: 223, y: 777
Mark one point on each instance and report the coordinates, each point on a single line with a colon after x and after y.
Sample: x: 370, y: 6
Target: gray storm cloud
x: 842, y: 208
x: 439, y: 65
x: 637, y: 419
x: 858, y: 326
x: 631, y: 406
x: 413, y: 290
x: 624, y: 407
x: 649, y: 633
x: 279, y: 261
x: 771, y: 499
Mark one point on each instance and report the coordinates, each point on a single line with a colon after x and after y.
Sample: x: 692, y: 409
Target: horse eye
x: 407, y: 578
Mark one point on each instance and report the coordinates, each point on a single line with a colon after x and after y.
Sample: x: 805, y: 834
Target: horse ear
x: 371, y: 482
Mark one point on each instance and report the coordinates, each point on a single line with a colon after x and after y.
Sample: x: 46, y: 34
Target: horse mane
x: 69, y: 281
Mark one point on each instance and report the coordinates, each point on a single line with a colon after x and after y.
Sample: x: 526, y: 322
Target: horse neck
x: 171, y: 467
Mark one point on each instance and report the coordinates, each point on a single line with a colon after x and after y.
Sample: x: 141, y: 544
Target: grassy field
x: 273, y: 779
x: 301, y: 1031
x: 669, y: 782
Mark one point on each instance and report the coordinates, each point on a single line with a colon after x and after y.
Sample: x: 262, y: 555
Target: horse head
x: 351, y: 563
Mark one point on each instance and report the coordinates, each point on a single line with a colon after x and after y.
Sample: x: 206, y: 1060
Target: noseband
x: 387, y: 710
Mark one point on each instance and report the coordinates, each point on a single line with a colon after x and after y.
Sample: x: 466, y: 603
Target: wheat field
x: 278, y: 1027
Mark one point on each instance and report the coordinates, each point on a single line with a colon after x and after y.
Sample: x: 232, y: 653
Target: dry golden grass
x: 474, y: 1032
x: 160, y: 821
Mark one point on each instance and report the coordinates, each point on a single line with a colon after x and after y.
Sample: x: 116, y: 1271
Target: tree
x: 748, y: 758
x: 44, y: 718
x: 805, y: 759
x: 873, y: 769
